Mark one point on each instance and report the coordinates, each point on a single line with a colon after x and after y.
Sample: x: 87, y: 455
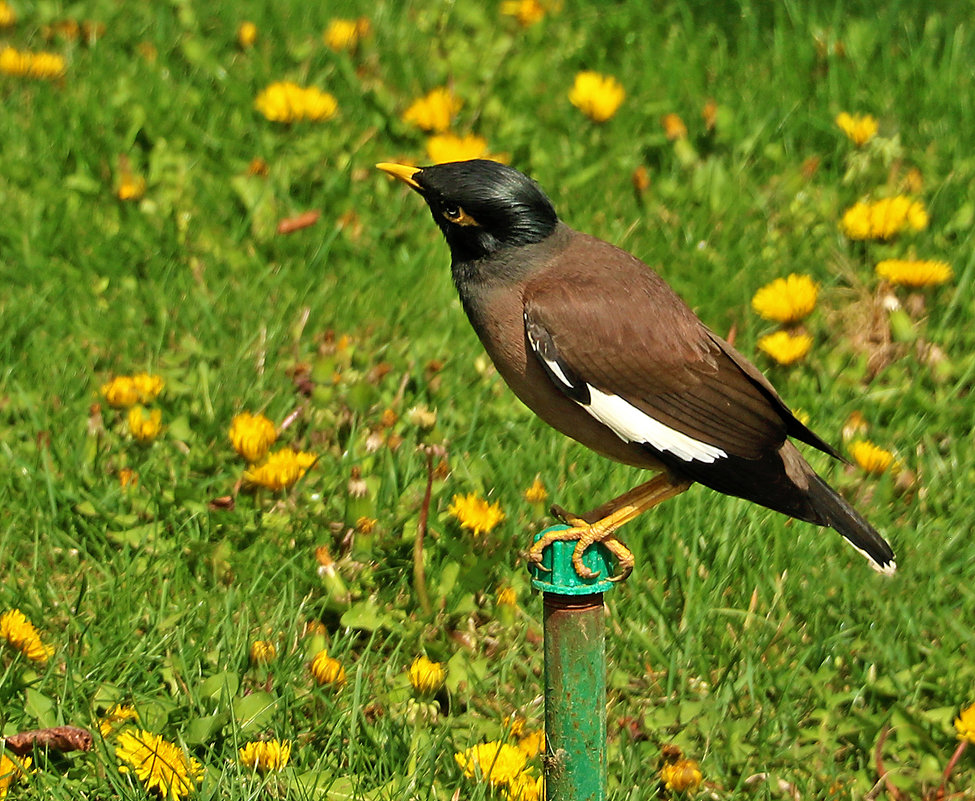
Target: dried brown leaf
x: 291, y: 224
x: 59, y: 738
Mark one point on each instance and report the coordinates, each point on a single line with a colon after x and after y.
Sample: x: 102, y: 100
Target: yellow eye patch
x: 458, y: 216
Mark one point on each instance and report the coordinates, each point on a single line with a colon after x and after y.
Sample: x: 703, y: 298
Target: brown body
x: 666, y: 362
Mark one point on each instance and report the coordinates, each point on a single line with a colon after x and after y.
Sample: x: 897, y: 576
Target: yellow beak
x: 404, y: 173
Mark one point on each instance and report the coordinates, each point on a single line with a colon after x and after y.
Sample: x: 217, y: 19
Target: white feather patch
x: 632, y: 425
x: 888, y: 569
x: 629, y: 423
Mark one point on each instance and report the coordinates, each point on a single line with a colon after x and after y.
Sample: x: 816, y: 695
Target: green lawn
x: 765, y: 649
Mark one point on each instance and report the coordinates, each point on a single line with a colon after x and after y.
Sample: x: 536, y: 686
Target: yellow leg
x: 601, y: 524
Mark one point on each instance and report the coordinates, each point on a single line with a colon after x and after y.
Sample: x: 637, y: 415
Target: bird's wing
x: 619, y: 342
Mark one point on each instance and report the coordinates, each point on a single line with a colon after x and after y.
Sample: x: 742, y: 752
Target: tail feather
x: 836, y: 513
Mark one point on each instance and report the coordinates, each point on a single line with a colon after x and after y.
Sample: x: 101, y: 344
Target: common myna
x: 597, y: 345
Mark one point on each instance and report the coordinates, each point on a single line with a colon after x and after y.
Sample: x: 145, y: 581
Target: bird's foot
x: 601, y: 524
x: 585, y: 534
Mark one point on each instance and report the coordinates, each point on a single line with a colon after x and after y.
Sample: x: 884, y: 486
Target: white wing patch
x: 632, y: 425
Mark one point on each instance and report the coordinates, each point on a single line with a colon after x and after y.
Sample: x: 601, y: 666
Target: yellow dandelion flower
x: 12, y: 768
x: 527, y: 12
x: 475, y: 513
x: 265, y: 755
x: 20, y: 633
x: 144, y: 427
x: 7, y: 15
x: 262, y: 652
x: 251, y: 435
x: 327, y: 670
x: 915, y: 273
x: 285, y: 101
x: 159, y: 765
x: 507, y: 596
x: 495, y: 762
x: 533, y: 743
x: 427, y: 676
x: 46, y: 66
x: 597, y: 96
x: 115, y: 718
x: 784, y: 347
x: 682, y: 776
x: 856, y: 222
x: 859, y: 128
x: 280, y: 469
x: 246, y: 34
x: 282, y: 101
x: 786, y: 300
x: 121, y: 392
x: 148, y: 386
x: 526, y: 786
x: 319, y: 105
x: 871, y: 458
x: 305, y: 459
x: 434, y: 111
x: 344, y: 34
x: 884, y: 219
x: 536, y: 493
x: 13, y: 62
x: 447, y: 147
x: 674, y: 127
x: 965, y: 724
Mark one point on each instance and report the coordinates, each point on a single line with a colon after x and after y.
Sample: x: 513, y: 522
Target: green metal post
x: 575, y: 672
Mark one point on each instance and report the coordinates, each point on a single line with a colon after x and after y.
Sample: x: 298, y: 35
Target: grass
x: 764, y: 649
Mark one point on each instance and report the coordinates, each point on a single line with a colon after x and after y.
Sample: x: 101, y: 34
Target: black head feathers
x: 484, y: 207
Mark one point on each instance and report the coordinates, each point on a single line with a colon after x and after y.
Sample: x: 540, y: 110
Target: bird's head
x: 481, y: 206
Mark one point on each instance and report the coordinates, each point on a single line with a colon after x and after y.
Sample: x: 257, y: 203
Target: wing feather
x: 648, y: 348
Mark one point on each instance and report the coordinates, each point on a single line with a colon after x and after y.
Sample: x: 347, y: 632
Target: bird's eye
x: 456, y: 215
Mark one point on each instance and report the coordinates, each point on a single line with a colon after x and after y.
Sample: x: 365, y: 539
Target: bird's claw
x: 584, y: 534
x: 535, y: 560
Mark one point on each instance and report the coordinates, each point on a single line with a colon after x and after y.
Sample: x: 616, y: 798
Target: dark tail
x: 836, y: 513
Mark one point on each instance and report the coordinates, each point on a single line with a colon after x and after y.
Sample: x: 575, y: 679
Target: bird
x: 596, y: 343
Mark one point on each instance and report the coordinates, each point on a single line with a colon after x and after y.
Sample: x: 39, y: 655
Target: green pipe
x: 575, y: 672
